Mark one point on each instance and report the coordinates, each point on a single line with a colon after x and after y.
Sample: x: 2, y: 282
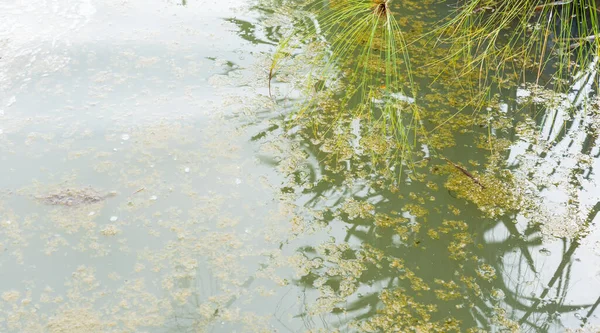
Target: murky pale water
x: 150, y: 184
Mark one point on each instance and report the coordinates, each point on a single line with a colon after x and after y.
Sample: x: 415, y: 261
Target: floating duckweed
x: 458, y: 247
x: 454, y: 210
x: 10, y: 296
x: 470, y: 283
x: 450, y: 290
x: 433, y: 186
x: 416, y: 210
x: 500, y: 318
x: 110, y: 230
x: 417, y: 198
x: 416, y: 283
x: 387, y: 221
x: 372, y: 255
x: 401, y: 313
x: 78, y: 320
x: 497, y: 294
x: 494, y: 200
x: 433, y: 234
x: 486, y: 272
x: 357, y: 209
x: 450, y: 225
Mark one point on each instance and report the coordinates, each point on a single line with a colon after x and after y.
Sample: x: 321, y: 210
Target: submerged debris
x: 74, y: 196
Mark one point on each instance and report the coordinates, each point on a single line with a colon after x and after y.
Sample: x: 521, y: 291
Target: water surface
x: 150, y: 184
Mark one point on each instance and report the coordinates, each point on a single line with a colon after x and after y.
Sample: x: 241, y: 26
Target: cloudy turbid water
x: 175, y: 166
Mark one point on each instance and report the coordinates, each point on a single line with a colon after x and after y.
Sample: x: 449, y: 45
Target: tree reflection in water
x: 475, y: 270
x: 424, y: 247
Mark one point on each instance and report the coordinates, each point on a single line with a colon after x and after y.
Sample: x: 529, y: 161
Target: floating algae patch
x: 340, y: 274
x: 77, y: 321
x: 402, y: 313
x: 495, y: 196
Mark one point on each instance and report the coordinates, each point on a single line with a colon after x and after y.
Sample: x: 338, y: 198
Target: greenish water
x: 150, y: 184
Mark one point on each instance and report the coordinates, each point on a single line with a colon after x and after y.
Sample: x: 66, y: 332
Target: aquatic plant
x: 360, y: 68
x: 520, y: 40
x: 361, y: 63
